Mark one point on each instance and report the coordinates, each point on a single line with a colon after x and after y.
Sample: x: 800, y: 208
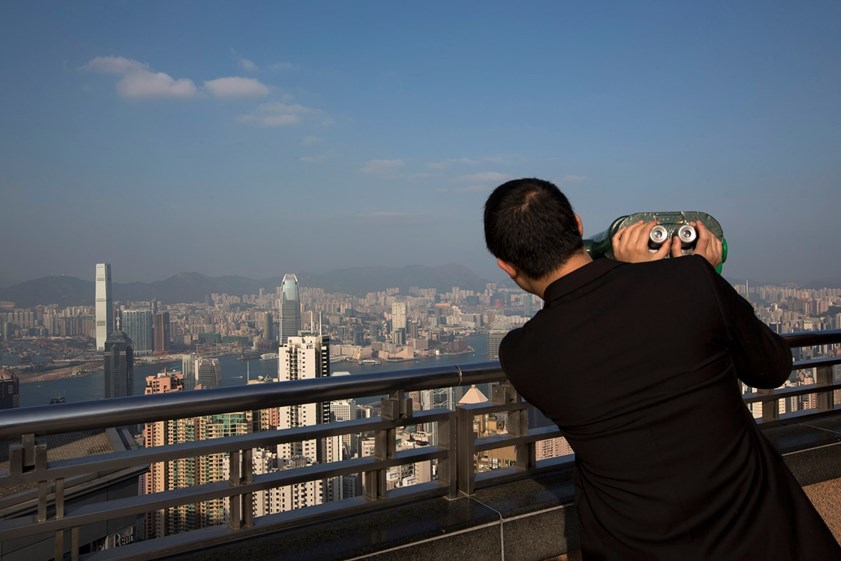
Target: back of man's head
x: 530, y: 224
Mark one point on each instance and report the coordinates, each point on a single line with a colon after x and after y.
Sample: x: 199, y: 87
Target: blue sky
x: 260, y: 138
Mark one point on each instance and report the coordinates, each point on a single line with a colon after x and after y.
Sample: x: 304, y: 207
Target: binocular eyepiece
x: 686, y: 233
x: 671, y: 224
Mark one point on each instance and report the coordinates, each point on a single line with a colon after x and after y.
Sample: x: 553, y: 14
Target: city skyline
x: 260, y: 139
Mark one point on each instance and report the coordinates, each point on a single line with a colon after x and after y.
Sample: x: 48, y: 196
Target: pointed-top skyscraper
x: 290, y: 309
x: 119, y: 364
x: 104, y: 305
x: 208, y: 373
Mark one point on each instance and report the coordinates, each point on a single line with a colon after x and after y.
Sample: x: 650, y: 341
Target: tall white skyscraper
x: 289, y: 323
x: 104, y: 305
x: 188, y: 368
x: 303, y: 358
x: 398, y: 315
x: 307, y: 357
x: 438, y: 398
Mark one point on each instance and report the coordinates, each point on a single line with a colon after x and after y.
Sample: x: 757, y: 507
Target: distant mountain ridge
x: 194, y: 287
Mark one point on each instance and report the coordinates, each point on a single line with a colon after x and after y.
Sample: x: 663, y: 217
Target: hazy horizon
x: 492, y: 275
x: 258, y: 139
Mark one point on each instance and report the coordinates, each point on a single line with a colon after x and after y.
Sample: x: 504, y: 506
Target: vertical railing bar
x: 248, y: 477
x: 59, y: 544
x: 770, y: 406
x: 465, y: 460
x: 43, y: 491
x: 74, y: 543
x: 235, y: 500
x: 380, y: 452
x: 369, y: 482
x: 824, y: 399
x: 448, y: 438
x: 28, y: 443
x: 59, y: 497
x: 519, y: 426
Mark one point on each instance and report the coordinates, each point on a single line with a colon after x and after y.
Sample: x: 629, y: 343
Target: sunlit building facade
x: 307, y: 357
x: 104, y: 305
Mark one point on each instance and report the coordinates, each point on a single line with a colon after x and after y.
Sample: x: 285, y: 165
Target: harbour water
x: 234, y: 373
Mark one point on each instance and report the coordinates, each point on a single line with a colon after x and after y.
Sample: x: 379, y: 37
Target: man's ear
x: 509, y: 269
x: 580, y: 225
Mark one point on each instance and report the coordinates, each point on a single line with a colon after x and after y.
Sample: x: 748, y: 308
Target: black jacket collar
x: 578, y: 278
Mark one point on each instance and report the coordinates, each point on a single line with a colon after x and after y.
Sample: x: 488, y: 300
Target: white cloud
x: 312, y: 159
x: 115, y: 65
x: 567, y: 179
x: 278, y: 114
x: 381, y: 166
x: 310, y: 140
x: 383, y: 214
x: 235, y: 87
x: 282, y: 66
x: 248, y: 65
x: 139, y: 81
x: 444, y: 164
x: 388, y: 218
x: 420, y: 175
x: 484, y: 177
x: 452, y: 162
x: 481, y: 181
x: 139, y: 85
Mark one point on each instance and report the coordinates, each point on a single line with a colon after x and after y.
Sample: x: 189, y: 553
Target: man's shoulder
x: 509, y: 344
x: 510, y: 338
x: 691, y: 265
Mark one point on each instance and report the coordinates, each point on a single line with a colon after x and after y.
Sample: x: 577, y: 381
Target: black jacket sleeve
x: 761, y: 357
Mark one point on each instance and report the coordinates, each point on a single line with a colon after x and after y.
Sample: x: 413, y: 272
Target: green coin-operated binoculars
x: 669, y: 225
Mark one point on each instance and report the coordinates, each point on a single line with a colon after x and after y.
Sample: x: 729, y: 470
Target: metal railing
x: 823, y: 388
x: 50, y: 511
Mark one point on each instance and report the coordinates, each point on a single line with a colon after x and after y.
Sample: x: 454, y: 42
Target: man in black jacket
x: 639, y: 365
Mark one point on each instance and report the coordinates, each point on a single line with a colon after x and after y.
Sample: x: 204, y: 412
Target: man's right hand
x: 708, y: 246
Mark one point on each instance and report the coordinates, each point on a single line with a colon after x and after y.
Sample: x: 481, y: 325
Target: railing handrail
x: 454, y: 453
x: 134, y: 410
x: 813, y: 338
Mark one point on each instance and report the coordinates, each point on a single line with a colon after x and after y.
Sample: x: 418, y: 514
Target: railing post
x: 518, y: 424
x: 235, y: 501
x: 770, y: 406
x: 394, y: 407
x: 465, y: 451
x: 27, y: 456
x: 59, y: 513
x: 824, y: 400
x: 448, y: 467
x: 59, y: 544
x: 248, y: 498
x: 74, y: 543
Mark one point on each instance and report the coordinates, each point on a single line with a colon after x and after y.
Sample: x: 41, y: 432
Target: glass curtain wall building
x: 290, y: 309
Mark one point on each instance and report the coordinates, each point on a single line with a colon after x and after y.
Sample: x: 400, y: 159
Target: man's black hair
x: 530, y: 224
